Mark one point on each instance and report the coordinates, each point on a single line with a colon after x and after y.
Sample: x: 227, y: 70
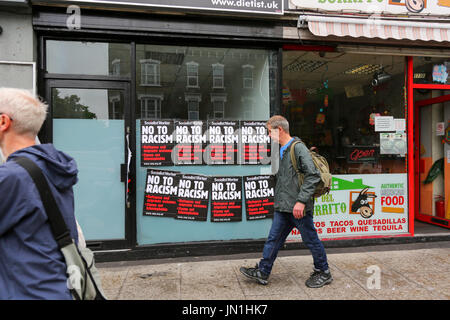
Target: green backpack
x: 324, y: 186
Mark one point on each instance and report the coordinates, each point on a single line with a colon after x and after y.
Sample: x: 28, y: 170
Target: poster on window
x: 362, y: 205
x: 226, y: 199
x: 223, y: 141
x: 259, y: 196
x: 161, y: 191
x: 193, y: 197
x: 255, y: 143
x: 156, y: 142
x: 190, y: 142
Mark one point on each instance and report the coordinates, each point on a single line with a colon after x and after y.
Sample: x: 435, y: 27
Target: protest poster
x: 259, y: 196
x: 223, y: 141
x: 255, y: 146
x: 226, y: 199
x: 156, y: 142
x: 190, y: 142
x: 193, y: 197
x: 161, y: 190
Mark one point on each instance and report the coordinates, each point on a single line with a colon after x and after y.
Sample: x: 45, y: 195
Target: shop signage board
x: 259, y: 196
x: 362, y: 154
x: 362, y: 205
x: 248, y: 6
x: 435, y: 7
x: 226, y: 199
x: 193, y: 197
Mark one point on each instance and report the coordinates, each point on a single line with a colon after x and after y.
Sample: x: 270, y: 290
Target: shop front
x: 165, y: 118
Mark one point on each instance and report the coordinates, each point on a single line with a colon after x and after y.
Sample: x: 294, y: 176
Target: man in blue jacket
x: 31, y: 264
x: 294, y: 205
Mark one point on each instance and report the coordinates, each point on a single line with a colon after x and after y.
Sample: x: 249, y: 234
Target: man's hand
x: 299, y: 209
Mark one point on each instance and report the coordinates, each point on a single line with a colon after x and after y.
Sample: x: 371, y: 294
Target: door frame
x: 129, y: 209
x: 414, y: 146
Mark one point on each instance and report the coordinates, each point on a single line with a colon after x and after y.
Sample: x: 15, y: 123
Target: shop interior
x: 332, y: 99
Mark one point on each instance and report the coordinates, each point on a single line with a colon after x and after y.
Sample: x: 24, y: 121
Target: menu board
x: 156, y: 142
x: 190, y: 142
x: 259, y: 196
x: 226, y: 199
x: 223, y: 139
x: 255, y: 143
x: 193, y: 197
x: 161, y: 192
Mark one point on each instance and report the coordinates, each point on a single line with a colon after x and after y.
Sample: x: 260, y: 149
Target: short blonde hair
x: 278, y: 121
x: 26, y: 110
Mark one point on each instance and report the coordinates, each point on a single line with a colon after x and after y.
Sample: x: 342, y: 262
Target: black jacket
x: 287, y: 189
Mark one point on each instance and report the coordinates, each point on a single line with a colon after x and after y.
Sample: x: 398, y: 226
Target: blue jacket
x: 31, y: 265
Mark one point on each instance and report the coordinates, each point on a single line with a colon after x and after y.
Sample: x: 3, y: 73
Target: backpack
x: 324, y: 185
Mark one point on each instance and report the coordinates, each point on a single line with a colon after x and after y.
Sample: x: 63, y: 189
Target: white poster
x: 384, y: 123
x: 362, y: 205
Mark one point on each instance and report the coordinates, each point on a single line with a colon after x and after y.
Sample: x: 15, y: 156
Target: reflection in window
x: 218, y: 75
x: 247, y: 76
x: 193, y: 102
x: 150, y: 72
x: 115, y: 70
x: 151, y: 106
x: 249, y: 104
x: 115, y: 110
x: 218, y: 103
x: 192, y: 74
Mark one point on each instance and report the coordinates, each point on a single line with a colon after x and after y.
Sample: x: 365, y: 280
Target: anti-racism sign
x: 161, y: 193
x: 190, y: 142
x: 226, y: 199
x: 223, y: 139
x: 259, y: 196
x: 255, y: 143
x: 193, y: 197
x: 156, y: 142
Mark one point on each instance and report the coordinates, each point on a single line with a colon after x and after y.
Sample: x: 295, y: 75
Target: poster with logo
x: 226, y: 199
x: 161, y: 191
x: 190, y: 142
x: 193, y: 197
x: 156, y: 142
x: 362, y: 205
x: 255, y: 146
x: 223, y: 139
x: 259, y: 196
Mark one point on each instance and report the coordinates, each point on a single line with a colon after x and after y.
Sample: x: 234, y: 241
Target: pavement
x: 416, y: 271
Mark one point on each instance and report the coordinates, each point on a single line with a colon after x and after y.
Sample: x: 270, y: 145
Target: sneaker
x: 255, y: 274
x: 318, y: 279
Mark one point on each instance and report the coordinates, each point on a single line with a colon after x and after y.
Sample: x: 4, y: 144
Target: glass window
x: 200, y: 82
x: 88, y: 58
x: 431, y: 70
x: 332, y: 102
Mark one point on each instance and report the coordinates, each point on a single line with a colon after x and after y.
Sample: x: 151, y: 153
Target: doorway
x: 90, y: 122
x: 432, y: 157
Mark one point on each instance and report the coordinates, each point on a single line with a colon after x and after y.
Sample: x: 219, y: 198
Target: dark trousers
x: 282, y: 225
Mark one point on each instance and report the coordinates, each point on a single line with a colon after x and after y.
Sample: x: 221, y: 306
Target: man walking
x: 31, y: 264
x: 293, y: 208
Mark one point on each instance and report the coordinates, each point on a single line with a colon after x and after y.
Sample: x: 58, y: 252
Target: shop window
x: 218, y: 75
x: 192, y: 75
x: 335, y: 102
x: 115, y: 109
x: 247, y: 76
x: 150, y: 73
x: 88, y: 58
x: 431, y: 70
x: 198, y: 72
x: 248, y: 104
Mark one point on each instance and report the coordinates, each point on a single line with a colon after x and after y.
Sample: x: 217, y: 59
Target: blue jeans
x: 282, y: 225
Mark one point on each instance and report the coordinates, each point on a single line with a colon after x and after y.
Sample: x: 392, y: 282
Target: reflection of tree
x: 69, y: 107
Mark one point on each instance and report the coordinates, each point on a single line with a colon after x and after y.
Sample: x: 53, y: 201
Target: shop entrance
x: 90, y: 122
x: 432, y: 156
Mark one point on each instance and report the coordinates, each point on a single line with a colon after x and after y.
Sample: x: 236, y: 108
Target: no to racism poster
x: 190, y: 142
x: 193, y: 197
x: 161, y: 193
x: 223, y: 139
x: 259, y: 196
x: 226, y: 199
x: 255, y: 145
x: 156, y: 142
x: 362, y: 205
